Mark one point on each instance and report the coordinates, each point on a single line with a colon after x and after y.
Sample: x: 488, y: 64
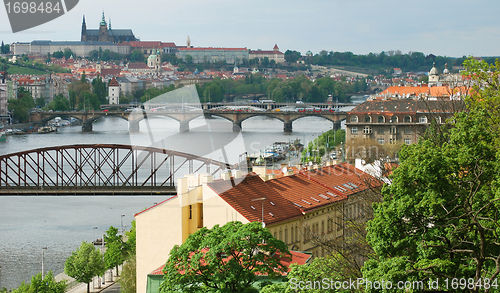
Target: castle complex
x: 106, y: 34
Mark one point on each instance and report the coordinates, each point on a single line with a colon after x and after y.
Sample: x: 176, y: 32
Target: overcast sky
x: 441, y: 27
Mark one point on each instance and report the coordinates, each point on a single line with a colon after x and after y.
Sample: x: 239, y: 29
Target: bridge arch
x: 98, y: 168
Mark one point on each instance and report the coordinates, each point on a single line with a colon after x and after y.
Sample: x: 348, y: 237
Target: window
x: 286, y: 236
x: 367, y: 130
x: 407, y: 119
x: 380, y: 140
x: 190, y: 211
x: 280, y: 236
x: 438, y: 119
x: 380, y: 130
x: 296, y: 234
x: 393, y: 130
x: 291, y: 236
x: 394, y: 119
x: 407, y: 130
x: 381, y: 119
x: 368, y: 119
x: 392, y: 141
x: 354, y: 130
x: 422, y: 119
x: 322, y: 227
x: 339, y: 223
x: 408, y: 141
x: 354, y: 118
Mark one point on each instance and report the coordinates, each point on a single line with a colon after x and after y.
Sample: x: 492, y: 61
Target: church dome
x: 446, y: 71
x: 434, y: 70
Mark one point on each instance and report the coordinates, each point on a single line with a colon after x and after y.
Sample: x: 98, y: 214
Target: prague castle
x: 106, y: 34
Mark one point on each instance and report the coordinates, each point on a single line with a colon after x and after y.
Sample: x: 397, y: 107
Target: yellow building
x: 297, y: 208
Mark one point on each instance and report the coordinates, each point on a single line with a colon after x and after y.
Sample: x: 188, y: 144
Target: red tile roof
x: 138, y: 65
x: 304, y: 193
x: 241, y: 197
x: 113, y: 82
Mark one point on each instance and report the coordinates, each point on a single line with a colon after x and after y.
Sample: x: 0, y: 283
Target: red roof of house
x: 110, y: 71
x: 138, y: 65
x: 113, y: 82
x: 305, y: 193
x: 158, y: 204
x: 344, y: 178
x: 298, y: 258
x: 244, y: 196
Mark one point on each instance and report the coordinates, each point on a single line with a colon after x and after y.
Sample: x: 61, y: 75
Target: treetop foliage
x: 224, y: 259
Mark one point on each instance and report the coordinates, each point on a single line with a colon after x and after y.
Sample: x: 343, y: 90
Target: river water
x: 61, y: 223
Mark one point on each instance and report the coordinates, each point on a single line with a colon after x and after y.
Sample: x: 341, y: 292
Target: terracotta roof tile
x: 252, y: 187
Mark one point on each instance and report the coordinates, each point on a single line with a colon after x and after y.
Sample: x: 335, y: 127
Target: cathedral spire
x: 103, y: 21
x: 110, y: 23
x: 83, y: 23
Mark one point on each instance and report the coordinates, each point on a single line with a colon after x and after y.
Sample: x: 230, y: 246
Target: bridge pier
x: 133, y: 126
x: 336, y: 125
x: 237, y: 126
x: 87, y: 126
x: 287, y: 126
x: 184, y: 126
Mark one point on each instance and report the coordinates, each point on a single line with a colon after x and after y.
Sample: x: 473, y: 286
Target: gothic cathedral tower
x: 103, y: 30
x: 84, y: 30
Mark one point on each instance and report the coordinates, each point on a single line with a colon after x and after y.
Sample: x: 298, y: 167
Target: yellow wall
x: 217, y: 211
x: 158, y: 230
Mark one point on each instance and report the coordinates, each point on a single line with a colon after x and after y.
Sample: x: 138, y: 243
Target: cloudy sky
x: 442, y: 27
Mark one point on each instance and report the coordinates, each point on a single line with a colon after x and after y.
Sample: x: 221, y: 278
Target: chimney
x: 261, y: 171
x: 237, y: 174
x: 271, y: 176
x: 289, y: 172
x: 299, y: 166
x: 225, y: 175
x: 182, y: 185
x: 207, y: 179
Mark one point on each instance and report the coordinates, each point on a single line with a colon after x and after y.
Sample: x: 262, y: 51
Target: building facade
x: 81, y: 49
x: 275, y: 55
x: 392, y: 121
x: 202, y: 55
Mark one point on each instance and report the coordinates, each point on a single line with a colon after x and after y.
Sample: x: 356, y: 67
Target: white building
x: 114, y: 92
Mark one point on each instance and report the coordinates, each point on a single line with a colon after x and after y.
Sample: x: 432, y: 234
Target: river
x: 27, y: 224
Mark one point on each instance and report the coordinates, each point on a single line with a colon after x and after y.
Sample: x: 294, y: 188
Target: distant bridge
x: 183, y: 116
x: 99, y: 170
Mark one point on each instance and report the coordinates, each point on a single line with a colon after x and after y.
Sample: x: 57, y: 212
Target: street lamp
x: 122, y: 223
x: 43, y: 259
x: 261, y: 199
x: 95, y: 228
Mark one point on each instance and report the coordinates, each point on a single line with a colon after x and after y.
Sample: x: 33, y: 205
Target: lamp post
x: 122, y: 223
x: 95, y: 228
x: 261, y: 199
x: 43, y: 260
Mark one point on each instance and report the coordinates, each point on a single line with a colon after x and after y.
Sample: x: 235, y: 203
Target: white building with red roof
x: 274, y: 54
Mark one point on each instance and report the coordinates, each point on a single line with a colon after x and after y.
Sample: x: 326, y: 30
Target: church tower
x: 84, y: 30
x: 188, y: 43
x: 103, y: 30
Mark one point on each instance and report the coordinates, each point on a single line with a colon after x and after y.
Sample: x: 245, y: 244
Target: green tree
x: 85, y: 263
x: 40, y: 102
x: 128, y: 278
x: 58, y: 54
x: 137, y: 56
x: 292, y: 56
x: 47, y: 284
x: 223, y: 259
x: 115, y: 249
x: 99, y: 89
x: 59, y: 103
x: 68, y: 53
x: 130, y: 243
x: 439, y: 217
x: 22, y: 105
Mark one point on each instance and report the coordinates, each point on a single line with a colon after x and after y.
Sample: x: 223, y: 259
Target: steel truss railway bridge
x: 102, y: 169
x: 184, y: 116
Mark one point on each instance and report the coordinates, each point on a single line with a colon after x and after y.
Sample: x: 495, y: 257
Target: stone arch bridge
x: 184, y: 117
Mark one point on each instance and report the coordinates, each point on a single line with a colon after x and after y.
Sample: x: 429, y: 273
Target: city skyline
x: 443, y: 28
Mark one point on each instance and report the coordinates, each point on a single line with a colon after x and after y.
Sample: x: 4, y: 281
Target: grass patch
x: 14, y: 69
